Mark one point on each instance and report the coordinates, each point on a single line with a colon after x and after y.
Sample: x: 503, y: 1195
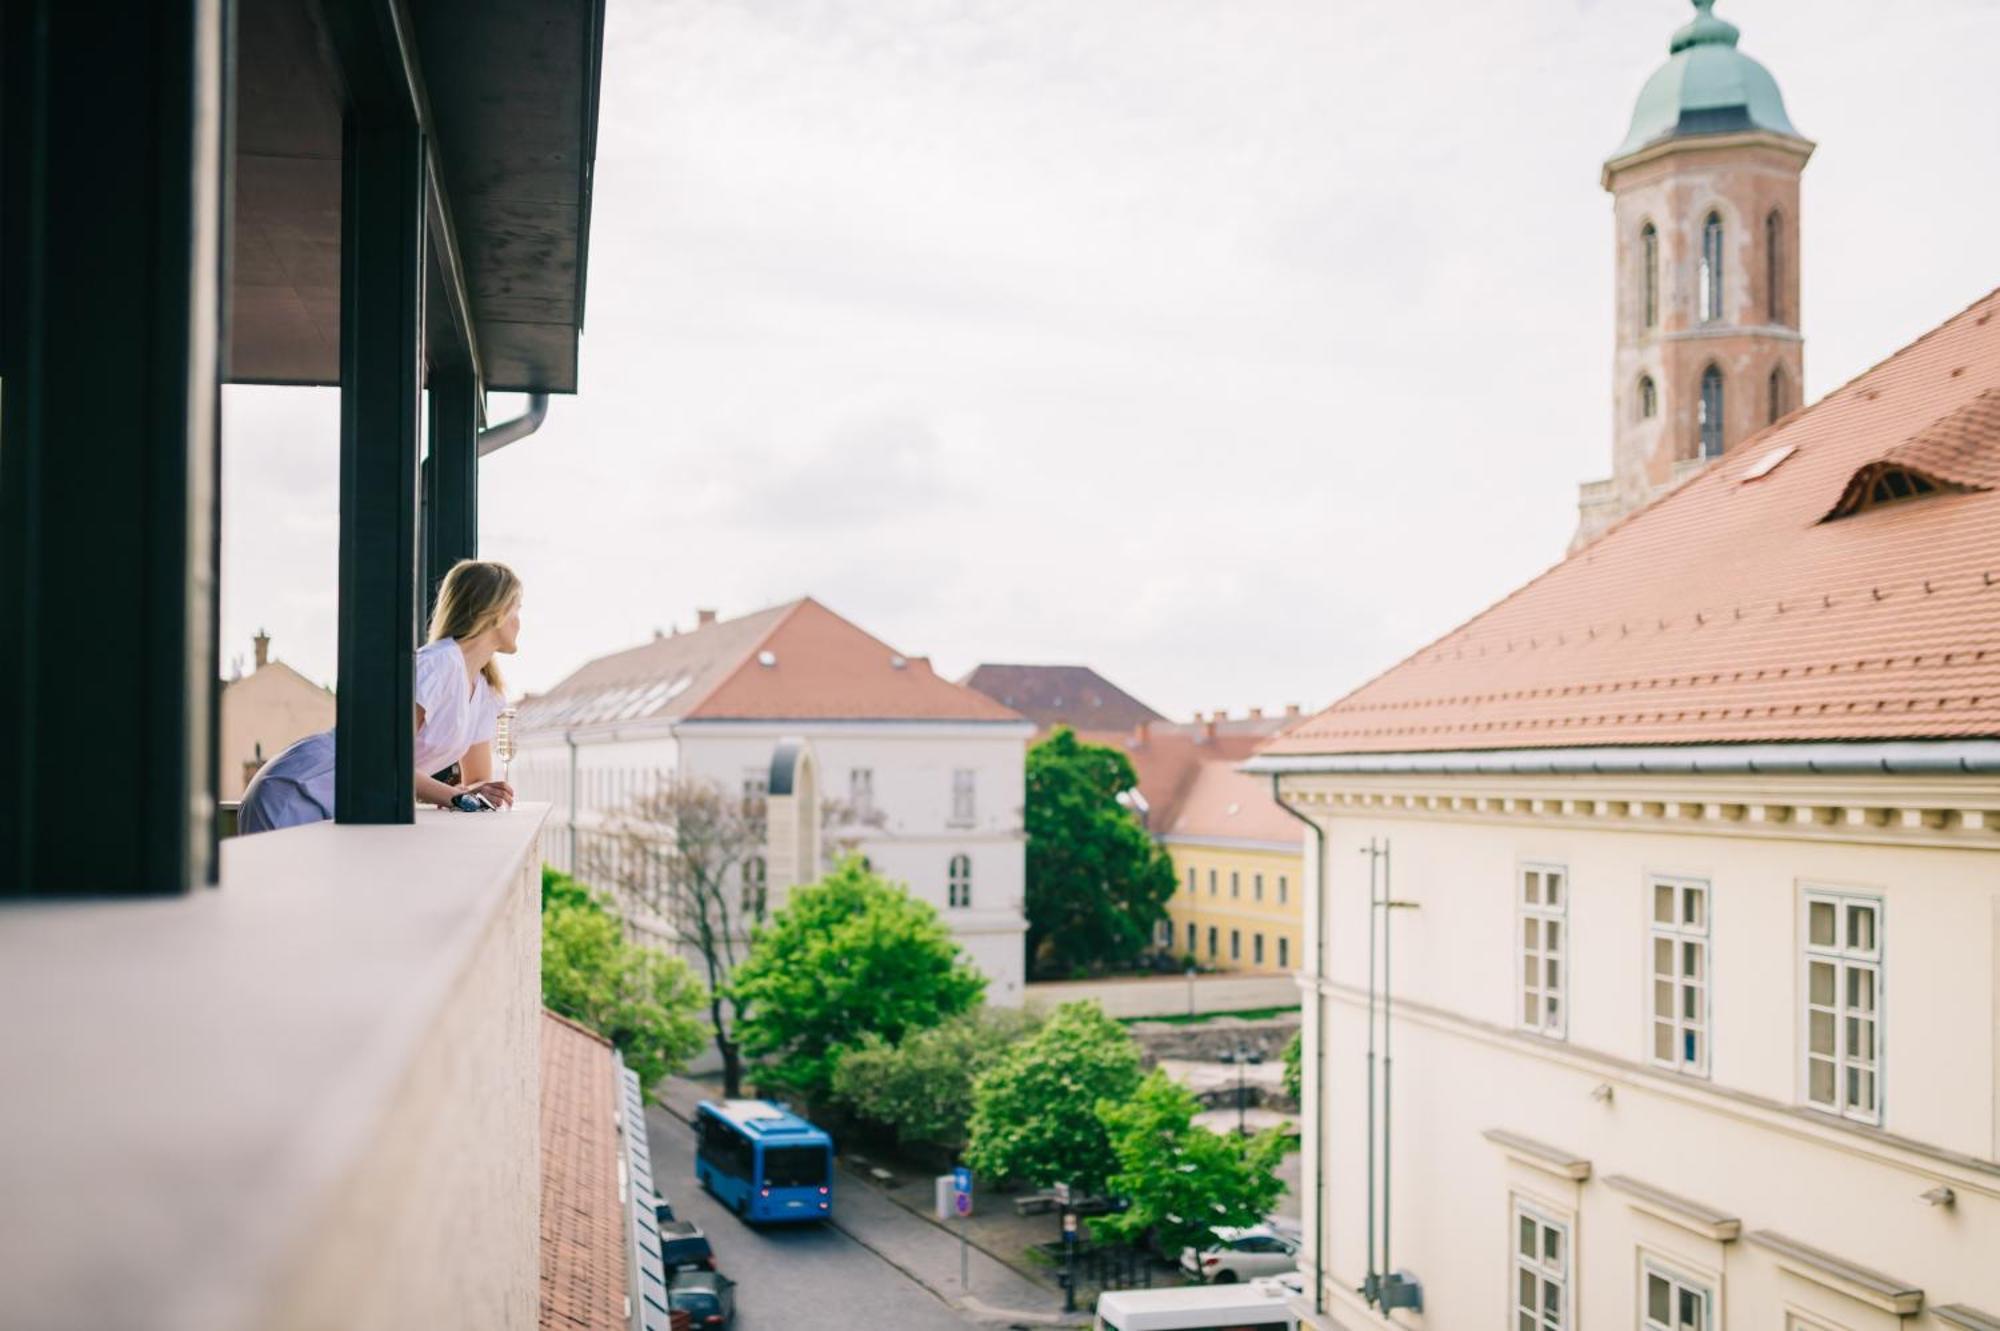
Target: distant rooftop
x: 1061, y: 695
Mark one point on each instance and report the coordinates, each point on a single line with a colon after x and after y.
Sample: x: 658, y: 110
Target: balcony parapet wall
x: 305, y: 1099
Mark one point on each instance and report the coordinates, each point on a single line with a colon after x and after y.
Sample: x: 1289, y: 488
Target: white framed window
x: 959, y: 881
x: 756, y: 789
x: 1843, y: 1003
x: 1211, y: 882
x: 1190, y: 947
x: 1257, y: 887
x: 1257, y: 949
x: 1669, y: 1301
x: 1284, y: 952
x: 1541, y: 1270
x: 964, y: 796
x: 1543, y: 898
x: 1678, y: 949
x: 861, y: 791
x: 1190, y: 881
x: 1235, y: 883
x: 1284, y: 890
x: 1236, y: 945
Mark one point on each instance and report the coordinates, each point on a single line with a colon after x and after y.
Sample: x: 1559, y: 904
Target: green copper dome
x: 1707, y: 86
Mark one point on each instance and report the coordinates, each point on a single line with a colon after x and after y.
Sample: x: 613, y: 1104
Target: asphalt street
x: 790, y: 1278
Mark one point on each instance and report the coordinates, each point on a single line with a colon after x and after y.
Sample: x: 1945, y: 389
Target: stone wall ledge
x: 305, y: 1098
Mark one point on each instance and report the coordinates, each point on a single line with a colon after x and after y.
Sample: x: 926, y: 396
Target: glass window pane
x: 1659, y: 1299
x: 1820, y: 926
x: 1663, y: 902
x: 1861, y: 989
x: 1527, y: 1237
x: 1691, y: 1053
x: 1663, y: 997
x: 1552, y: 935
x: 1691, y: 1002
x: 1528, y: 970
x: 1819, y: 1033
x: 1663, y: 1040
x: 1693, y: 906
x: 1819, y: 1081
x: 1531, y: 1009
x: 1861, y: 927
x: 1531, y: 932
x: 1691, y: 954
x: 1531, y: 888
x: 1861, y: 1040
x: 1527, y: 1288
x: 1554, y: 884
x: 1864, y: 1095
x: 1690, y: 1318
x: 1555, y: 1010
x: 1527, y: 1323
x: 1554, y: 974
x: 1552, y: 1247
x: 1551, y: 1301
x: 1820, y: 982
x: 1663, y: 956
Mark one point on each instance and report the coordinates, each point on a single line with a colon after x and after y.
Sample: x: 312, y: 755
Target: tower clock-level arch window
x: 1779, y: 403
x: 1774, y: 266
x: 1710, y: 413
x: 1649, y: 398
x: 1649, y: 274
x: 1711, y: 268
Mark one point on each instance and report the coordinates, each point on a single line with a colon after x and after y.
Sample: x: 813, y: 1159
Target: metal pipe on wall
x: 1319, y: 1047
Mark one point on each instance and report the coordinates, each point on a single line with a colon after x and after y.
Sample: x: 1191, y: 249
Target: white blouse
x: 457, y: 715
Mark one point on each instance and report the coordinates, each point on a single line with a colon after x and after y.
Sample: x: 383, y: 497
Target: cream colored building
x: 1655, y: 980
x: 264, y: 711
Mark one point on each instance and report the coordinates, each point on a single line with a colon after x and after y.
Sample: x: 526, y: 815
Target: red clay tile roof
x: 1054, y: 695
x: 584, y: 1273
x: 820, y: 667
x: 1168, y: 758
x: 1728, y: 610
x: 1226, y: 803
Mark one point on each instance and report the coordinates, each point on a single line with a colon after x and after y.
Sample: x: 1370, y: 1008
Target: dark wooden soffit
x: 509, y: 89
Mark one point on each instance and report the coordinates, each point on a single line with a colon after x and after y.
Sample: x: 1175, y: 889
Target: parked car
x: 663, y: 1210
x: 1241, y: 1254
x: 707, y: 1298
x: 683, y: 1247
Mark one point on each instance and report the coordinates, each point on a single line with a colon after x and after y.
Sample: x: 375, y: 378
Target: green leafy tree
x: 921, y: 1089
x: 1180, y: 1179
x: 1034, y: 1112
x: 1097, y: 882
x: 1294, y: 1050
x: 849, y: 956
x: 642, y: 1000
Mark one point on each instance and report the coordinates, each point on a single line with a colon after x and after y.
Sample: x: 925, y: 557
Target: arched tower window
x: 1711, y: 412
x: 960, y: 880
x: 1779, y: 404
x: 1649, y: 398
x: 1774, y: 268
x: 1649, y: 273
x: 1711, y: 268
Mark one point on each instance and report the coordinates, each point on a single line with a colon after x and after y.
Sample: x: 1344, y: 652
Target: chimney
x: 1208, y: 729
x: 1256, y: 714
x: 1291, y: 711
x: 703, y: 618
x: 262, y: 642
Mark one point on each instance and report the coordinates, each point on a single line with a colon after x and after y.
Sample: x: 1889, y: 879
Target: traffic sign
x: 1062, y: 1194
x: 962, y: 1203
x: 961, y: 1178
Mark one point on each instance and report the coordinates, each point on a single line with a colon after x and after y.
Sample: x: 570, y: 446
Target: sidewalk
x: 917, y: 1246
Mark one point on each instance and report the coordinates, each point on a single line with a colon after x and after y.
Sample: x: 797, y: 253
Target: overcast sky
x: 1234, y: 347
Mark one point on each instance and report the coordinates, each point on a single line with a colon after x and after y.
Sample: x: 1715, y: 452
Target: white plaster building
x: 1691, y: 950
x: 937, y: 768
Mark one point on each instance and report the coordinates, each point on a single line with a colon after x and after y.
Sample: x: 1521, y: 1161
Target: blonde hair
x: 476, y: 595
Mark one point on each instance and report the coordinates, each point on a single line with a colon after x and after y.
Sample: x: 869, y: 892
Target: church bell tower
x: 1705, y: 198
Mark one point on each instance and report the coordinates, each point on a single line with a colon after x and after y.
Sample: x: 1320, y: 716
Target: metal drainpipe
x: 496, y: 437
x: 1319, y: 1054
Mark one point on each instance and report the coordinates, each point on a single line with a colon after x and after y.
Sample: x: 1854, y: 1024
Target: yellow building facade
x: 1239, y: 860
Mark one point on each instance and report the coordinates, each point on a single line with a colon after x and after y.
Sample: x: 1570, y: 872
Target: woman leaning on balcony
x: 458, y: 697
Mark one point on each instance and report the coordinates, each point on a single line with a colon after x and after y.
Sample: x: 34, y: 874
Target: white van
x: 1261, y: 1305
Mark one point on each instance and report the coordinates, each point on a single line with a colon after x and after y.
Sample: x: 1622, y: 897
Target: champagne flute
x: 503, y: 741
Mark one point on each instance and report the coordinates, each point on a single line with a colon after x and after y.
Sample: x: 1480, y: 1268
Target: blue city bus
x: 763, y: 1162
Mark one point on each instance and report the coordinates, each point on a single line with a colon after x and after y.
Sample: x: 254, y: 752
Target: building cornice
x: 1901, y: 811
x: 1234, y: 843
x: 1668, y: 147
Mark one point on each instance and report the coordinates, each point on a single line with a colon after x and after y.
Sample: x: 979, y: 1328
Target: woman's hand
x: 497, y: 793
